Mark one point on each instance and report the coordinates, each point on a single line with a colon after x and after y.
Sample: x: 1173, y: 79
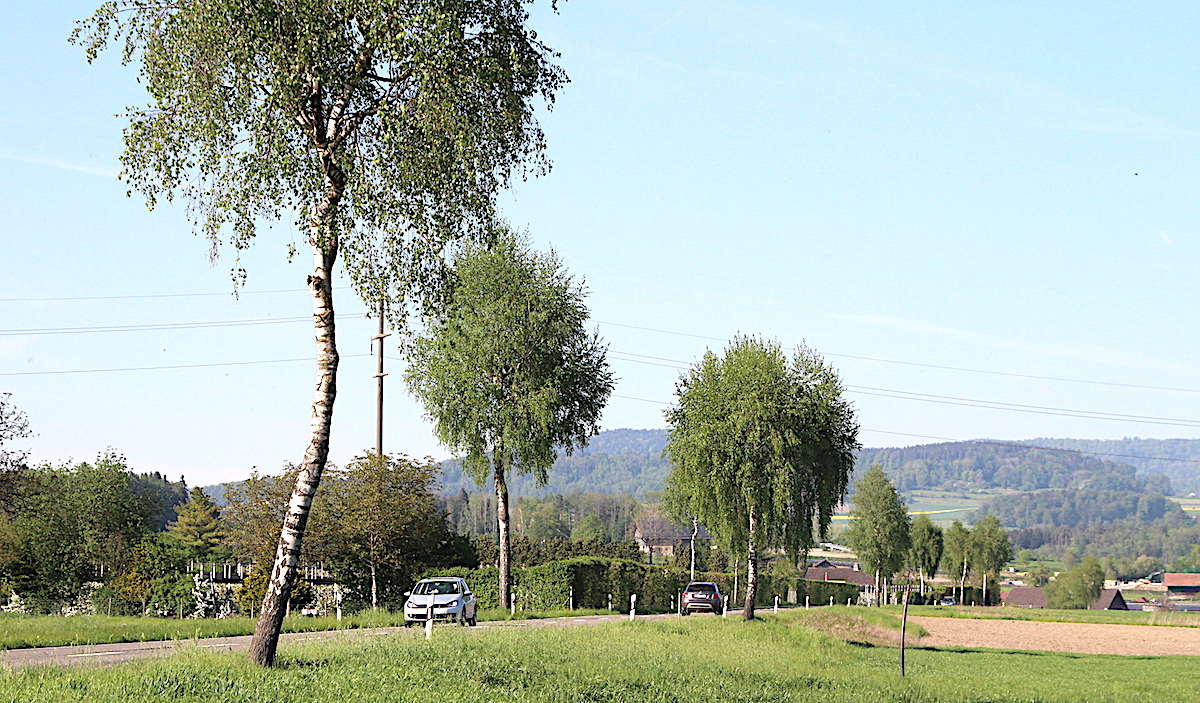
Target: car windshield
x: 702, y: 588
x: 436, y: 588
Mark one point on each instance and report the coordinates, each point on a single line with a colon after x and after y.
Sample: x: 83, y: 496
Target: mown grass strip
x: 693, y: 660
x: 25, y: 631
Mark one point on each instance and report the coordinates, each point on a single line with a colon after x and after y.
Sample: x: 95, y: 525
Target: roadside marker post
x: 632, y: 606
x: 725, y: 608
x: 610, y: 602
x: 806, y: 602
x: 429, y: 619
x: 776, y: 605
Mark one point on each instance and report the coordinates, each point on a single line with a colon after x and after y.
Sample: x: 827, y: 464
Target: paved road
x: 108, y: 654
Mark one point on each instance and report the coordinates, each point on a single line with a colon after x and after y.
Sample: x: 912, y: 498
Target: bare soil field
x: 1082, y: 638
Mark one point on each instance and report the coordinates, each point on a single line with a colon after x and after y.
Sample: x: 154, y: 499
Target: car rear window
x: 701, y: 588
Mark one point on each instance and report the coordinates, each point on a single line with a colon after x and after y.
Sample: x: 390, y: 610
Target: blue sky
x: 1008, y: 188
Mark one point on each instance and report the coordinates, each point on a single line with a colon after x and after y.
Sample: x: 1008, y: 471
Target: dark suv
x: 701, y: 596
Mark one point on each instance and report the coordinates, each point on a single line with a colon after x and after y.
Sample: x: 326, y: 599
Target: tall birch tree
x: 761, y: 449
x: 925, y: 555
x: 385, y: 127
x: 508, y: 372
x: 879, y: 533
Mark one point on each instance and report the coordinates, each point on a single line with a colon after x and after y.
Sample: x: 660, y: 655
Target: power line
x: 1015, y: 407
x: 172, y: 367
x: 1033, y: 446
x: 975, y: 402
x: 156, y: 295
x: 935, y: 366
x: 156, y: 326
x: 981, y: 441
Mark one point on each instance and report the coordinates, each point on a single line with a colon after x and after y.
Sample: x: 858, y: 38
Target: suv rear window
x: 701, y: 588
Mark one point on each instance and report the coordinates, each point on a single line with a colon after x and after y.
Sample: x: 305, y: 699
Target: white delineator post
x: 776, y: 605
x: 610, y: 601
x: 725, y: 608
x: 632, y: 605
x: 806, y: 602
x: 429, y: 619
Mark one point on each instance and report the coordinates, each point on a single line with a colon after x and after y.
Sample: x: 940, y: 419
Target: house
x: 1110, y: 599
x: 1028, y: 597
x: 840, y: 574
x: 658, y: 536
x: 1024, y: 597
x: 1182, y: 585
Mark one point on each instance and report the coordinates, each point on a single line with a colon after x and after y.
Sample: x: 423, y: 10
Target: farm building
x: 1029, y: 597
x: 1182, y: 585
x: 839, y: 574
x: 657, y: 536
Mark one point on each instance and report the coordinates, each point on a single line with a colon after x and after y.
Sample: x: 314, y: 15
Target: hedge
x: 588, y: 581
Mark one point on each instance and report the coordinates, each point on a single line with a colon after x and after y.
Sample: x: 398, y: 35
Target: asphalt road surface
x: 108, y: 654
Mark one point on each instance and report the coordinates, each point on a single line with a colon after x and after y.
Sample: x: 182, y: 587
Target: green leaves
x: 507, y: 367
x: 414, y: 112
x: 879, y: 533
x: 751, y: 431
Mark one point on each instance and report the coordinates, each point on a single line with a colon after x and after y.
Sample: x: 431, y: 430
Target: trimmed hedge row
x: 588, y: 582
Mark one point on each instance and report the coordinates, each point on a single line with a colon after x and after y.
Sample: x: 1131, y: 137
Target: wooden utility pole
x: 379, y: 374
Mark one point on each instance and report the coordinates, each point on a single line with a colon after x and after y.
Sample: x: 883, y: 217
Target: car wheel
x: 471, y: 621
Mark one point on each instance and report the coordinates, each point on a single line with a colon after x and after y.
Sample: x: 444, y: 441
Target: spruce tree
x: 198, y: 526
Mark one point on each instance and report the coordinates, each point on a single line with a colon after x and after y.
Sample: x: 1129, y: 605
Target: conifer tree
x: 198, y: 526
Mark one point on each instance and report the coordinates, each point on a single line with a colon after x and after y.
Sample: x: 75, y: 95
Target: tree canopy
x: 879, y: 531
x: 761, y: 448
x: 507, y: 370
x: 384, y: 127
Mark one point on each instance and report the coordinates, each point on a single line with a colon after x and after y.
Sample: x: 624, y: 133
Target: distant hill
x: 632, y: 461
x: 615, y: 461
x: 1183, y: 456
x: 956, y: 466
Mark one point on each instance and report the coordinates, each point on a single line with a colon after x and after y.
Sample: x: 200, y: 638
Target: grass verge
x: 24, y: 631
x: 693, y: 660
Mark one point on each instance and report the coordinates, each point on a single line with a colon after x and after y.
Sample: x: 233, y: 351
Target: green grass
x: 693, y: 660
x: 23, y: 631
x: 1116, y: 617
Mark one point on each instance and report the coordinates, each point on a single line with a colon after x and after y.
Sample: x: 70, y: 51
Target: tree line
x: 887, y: 541
x: 1082, y: 507
x: 956, y: 466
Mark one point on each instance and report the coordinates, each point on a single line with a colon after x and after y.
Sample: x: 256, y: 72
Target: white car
x: 450, y: 597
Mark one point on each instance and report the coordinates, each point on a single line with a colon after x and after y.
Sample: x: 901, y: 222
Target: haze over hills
x: 631, y: 461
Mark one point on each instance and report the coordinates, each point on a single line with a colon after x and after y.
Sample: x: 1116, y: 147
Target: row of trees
x: 579, y: 516
x: 887, y: 540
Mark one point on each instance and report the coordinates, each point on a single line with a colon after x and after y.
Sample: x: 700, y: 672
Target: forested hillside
x: 615, y: 461
x: 1183, y: 455
x: 957, y: 466
x: 1079, y: 507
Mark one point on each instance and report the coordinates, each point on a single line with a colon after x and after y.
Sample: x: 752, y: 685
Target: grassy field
x: 691, y: 660
x: 1116, y: 617
x: 22, y: 631
x: 1192, y: 505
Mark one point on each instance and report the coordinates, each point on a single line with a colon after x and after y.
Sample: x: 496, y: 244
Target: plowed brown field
x: 1084, y: 638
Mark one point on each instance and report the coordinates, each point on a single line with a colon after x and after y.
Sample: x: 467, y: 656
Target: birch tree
x: 761, y: 449
x: 925, y: 555
x: 508, y: 372
x: 385, y: 127
x: 879, y: 531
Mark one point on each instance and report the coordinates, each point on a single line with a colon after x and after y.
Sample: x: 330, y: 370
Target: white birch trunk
x: 751, y: 571
x: 502, y: 524
x: 287, y: 555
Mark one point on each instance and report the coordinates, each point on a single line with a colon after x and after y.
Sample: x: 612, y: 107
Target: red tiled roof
x: 1024, y: 597
x: 858, y: 578
x: 1185, y: 580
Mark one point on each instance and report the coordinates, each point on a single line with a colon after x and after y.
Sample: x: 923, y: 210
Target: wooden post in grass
x: 904, y: 627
